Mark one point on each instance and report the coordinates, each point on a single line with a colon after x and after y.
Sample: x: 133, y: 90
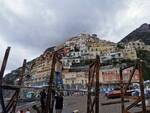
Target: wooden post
x: 141, y: 86
x: 93, y: 73
x: 21, y: 75
x: 1, y: 78
x: 122, y: 90
x: 89, y: 92
x: 97, y: 85
x: 49, y: 106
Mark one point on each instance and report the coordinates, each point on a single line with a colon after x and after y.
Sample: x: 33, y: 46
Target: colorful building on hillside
x: 129, y: 53
x: 110, y: 77
x: 40, y: 70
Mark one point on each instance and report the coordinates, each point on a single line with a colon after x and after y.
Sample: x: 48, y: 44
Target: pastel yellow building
x: 40, y: 70
x: 136, y: 44
x: 130, y: 53
x: 101, y: 48
x: 75, y: 80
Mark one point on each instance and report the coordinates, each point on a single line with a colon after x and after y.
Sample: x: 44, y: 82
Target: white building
x: 75, y: 80
x: 110, y: 56
x: 136, y: 44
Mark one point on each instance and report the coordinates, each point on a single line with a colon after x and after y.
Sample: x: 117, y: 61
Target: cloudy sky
x: 31, y: 26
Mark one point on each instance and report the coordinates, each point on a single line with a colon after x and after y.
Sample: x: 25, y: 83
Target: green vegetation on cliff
x: 145, y: 56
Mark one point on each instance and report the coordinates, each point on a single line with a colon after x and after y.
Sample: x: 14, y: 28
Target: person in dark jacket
x: 59, y: 103
x: 43, y: 99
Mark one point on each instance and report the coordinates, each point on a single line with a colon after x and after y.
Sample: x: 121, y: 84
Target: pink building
x: 112, y: 75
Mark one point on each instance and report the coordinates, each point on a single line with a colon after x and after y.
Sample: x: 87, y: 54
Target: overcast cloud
x: 31, y: 26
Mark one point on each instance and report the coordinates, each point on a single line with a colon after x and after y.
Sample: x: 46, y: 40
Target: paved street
x: 79, y: 103
x: 72, y: 103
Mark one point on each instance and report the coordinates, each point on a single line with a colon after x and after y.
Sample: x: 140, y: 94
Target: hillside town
x: 81, y: 50
x: 74, y: 56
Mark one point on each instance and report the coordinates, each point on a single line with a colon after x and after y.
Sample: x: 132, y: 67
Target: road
x: 79, y: 103
x: 72, y: 103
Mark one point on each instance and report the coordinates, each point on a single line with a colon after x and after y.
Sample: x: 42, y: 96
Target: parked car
x: 116, y: 93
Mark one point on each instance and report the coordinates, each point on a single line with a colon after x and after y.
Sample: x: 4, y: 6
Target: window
x: 72, y: 81
x: 73, y: 61
x: 82, y: 82
x: 86, y: 81
x: 77, y: 60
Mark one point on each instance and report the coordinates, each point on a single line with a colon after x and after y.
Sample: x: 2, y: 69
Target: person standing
x: 43, y: 99
x: 59, y: 103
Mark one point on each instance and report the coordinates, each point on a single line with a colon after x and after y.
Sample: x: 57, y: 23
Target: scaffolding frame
x: 93, y: 82
x: 93, y: 74
x: 124, y: 87
x: 11, y: 105
x: 51, y: 91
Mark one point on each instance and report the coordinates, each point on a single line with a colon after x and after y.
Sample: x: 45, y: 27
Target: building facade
x: 75, y: 80
x: 111, y: 75
x: 40, y: 70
